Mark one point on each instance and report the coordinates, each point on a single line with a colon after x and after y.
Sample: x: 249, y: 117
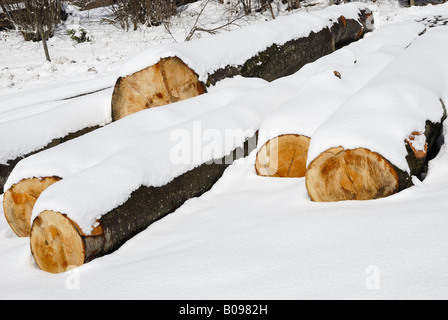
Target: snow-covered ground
x: 249, y: 237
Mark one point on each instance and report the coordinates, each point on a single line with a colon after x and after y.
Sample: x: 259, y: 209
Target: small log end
x: 284, y: 156
x: 19, y: 200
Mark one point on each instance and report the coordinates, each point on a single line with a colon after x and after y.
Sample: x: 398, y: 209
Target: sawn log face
x: 284, y: 156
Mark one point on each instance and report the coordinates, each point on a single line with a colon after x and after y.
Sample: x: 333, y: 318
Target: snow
x: 418, y: 142
x: 249, y: 237
x: 205, y: 56
x: 322, y: 92
x: 393, y: 105
x: 47, y: 121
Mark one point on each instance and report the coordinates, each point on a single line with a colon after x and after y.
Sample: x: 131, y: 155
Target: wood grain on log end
x: 19, y: 200
x: 359, y: 174
x: 56, y: 243
x: 168, y: 81
x: 284, y: 156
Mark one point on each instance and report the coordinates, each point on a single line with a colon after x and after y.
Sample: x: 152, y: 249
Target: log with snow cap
x: 94, y: 211
x: 47, y: 125
x: 173, y: 72
x: 34, y: 174
x: 374, y: 144
x: 286, y: 133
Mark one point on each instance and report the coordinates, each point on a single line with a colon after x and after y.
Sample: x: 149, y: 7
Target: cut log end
x: 284, y: 156
x: 360, y: 174
x: 56, y: 244
x: 169, y: 81
x: 19, y: 200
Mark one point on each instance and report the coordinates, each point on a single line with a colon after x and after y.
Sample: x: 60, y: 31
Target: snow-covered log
x: 374, y: 144
x: 113, y: 199
x: 174, y: 72
x: 34, y: 174
x: 47, y: 124
x: 145, y: 206
x: 285, y: 134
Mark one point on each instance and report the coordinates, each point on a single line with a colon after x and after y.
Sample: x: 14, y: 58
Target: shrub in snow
x: 79, y: 35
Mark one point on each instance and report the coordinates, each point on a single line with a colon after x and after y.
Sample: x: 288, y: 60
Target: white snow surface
x: 207, y: 55
x: 48, y: 121
x: 249, y: 237
x: 322, y: 92
x: 397, y: 102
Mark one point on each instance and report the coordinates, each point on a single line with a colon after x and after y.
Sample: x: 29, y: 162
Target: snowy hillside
x: 249, y: 237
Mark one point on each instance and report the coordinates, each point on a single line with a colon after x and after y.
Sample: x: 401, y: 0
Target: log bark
x: 360, y: 174
x: 171, y: 80
x: 284, y: 60
x: 284, y: 156
x: 58, y: 244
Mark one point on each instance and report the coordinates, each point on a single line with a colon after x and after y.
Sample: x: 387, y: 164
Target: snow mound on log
x: 322, y: 91
x: 395, y: 103
x: 207, y: 55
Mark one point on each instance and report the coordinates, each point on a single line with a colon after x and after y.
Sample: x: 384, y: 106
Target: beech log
x: 171, y: 80
x: 360, y: 174
x: 284, y: 156
x: 58, y: 244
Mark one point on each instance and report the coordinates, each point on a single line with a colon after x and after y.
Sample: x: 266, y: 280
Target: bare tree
x: 132, y: 13
x: 28, y: 15
x: 257, y: 5
x: 292, y: 4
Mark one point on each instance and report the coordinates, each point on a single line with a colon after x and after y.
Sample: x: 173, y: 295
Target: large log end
x: 56, y: 244
x: 168, y: 81
x: 359, y: 174
x: 284, y: 156
x: 19, y: 200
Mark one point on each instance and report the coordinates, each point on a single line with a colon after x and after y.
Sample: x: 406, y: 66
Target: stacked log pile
x: 30, y: 177
x: 76, y: 215
x: 47, y: 195
x: 171, y: 80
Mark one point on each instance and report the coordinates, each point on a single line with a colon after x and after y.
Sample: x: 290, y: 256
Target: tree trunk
x: 360, y: 174
x: 58, y: 244
x: 284, y: 156
x: 171, y: 80
x: 43, y: 35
